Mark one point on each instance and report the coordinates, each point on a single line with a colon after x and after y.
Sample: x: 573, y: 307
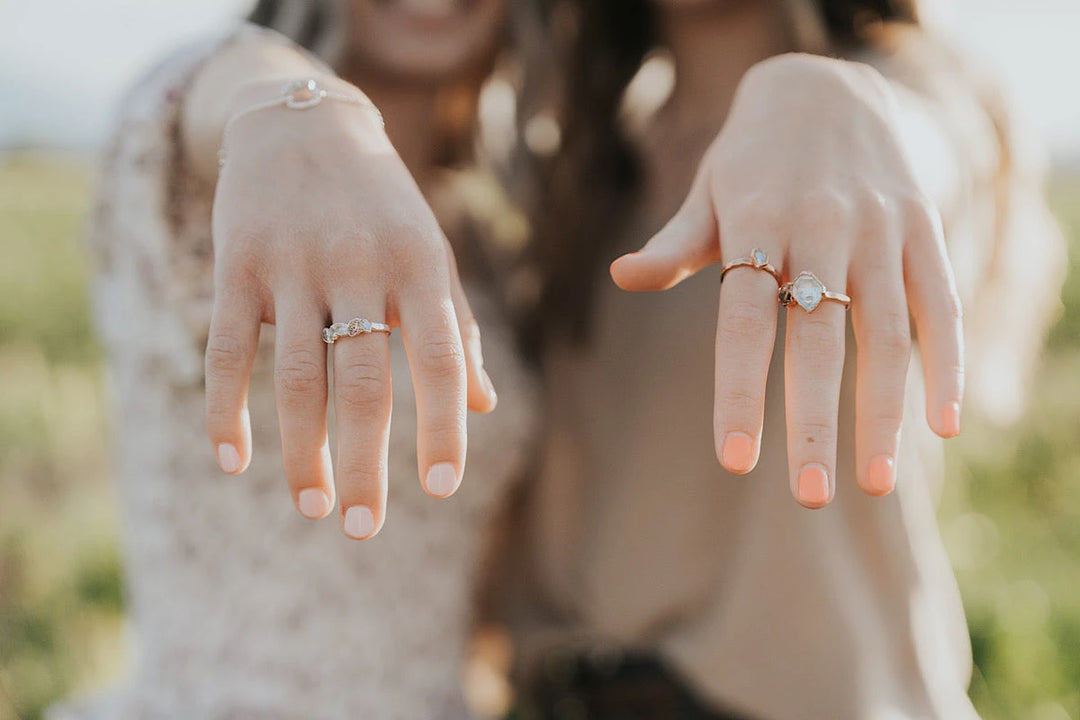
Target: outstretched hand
x: 317, y: 220
x: 809, y: 169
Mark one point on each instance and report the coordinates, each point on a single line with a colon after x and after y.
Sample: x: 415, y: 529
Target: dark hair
x: 594, y: 178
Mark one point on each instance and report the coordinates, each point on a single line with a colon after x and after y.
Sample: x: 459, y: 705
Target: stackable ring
x: 807, y: 292
x: 758, y: 260
x: 356, y: 326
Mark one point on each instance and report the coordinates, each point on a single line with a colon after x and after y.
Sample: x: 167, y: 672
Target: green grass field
x: 1010, y: 514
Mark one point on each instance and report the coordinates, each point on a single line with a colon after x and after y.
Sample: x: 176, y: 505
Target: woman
x: 241, y: 607
x: 631, y: 541
x: 630, y: 538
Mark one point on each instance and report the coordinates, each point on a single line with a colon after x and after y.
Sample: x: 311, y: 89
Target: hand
x: 316, y: 219
x: 809, y: 168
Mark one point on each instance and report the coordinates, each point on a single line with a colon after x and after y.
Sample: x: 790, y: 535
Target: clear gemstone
x: 328, y: 336
x: 759, y: 257
x: 807, y: 291
x: 340, y: 328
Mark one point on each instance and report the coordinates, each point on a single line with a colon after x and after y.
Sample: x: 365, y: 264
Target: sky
x: 64, y: 63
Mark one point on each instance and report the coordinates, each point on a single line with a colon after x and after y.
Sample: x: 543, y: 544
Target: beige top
x: 633, y: 535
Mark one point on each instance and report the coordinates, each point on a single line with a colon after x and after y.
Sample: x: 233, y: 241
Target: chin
x: 425, y: 40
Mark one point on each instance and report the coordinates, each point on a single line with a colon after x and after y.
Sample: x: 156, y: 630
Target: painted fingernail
x: 359, y: 522
x: 228, y: 458
x: 813, y: 486
x: 950, y: 419
x: 313, y: 503
x: 441, y: 480
x: 881, y: 478
x: 737, y: 455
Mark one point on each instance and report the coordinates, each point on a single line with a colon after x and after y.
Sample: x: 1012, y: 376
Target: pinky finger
x: 480, y: 395
x: 935, y: 307
x: 230, y: 353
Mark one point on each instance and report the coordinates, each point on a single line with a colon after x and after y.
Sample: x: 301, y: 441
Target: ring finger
x: 813, y: 366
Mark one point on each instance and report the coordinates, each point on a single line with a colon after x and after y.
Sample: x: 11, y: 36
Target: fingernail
x: 813, y: 486
x: 359, y: 522
x: 737, y: 455
x: 228, y: 458
x: 881, y: 478
x: 313, y: 503
x: 950, y: 419
x: 441, y: 479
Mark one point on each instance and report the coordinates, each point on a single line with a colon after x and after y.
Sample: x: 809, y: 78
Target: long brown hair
x: 589, y: 185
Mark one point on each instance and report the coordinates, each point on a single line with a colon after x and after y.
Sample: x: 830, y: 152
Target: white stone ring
x: 356, y: 326
x: 758, y: 260
x: 807, y: 292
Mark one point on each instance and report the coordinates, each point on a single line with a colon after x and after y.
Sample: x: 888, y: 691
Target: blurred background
x: 1010, y: 512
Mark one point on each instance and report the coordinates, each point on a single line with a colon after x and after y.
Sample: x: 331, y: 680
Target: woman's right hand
x: 317, y: 220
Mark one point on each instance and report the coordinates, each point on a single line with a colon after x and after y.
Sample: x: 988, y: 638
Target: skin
x: 811, y: 167
x: 371, y: 246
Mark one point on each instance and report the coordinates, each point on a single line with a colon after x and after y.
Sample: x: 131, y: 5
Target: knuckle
x: 299, y: 374
x: 886, y: 424
x: 362, y: 471
x: 446, y: 434
x: 890, y: 335
x: 225, y: 353
x: 743, y: 320
x: 441, y: 355
x: 876, y: 209
x: 820, y: 343
x: 815, y: 431
x: 362, y: 386
x: 825, y: 208
x: 743, y: 403
x: 921, y: 217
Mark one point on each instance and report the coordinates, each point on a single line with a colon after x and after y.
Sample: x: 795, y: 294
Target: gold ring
x: 758, y: 260
x: 807, y: 292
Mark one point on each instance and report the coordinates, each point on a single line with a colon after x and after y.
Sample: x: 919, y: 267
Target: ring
x: 757, y: 260
x: 354, y: 327
x: 807, y: 292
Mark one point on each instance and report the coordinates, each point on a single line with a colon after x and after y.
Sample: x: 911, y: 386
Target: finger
x: 230, y: 353
x: 437, y: 363
x: 362, y: 409
x: 745, y: 334
x: 686, y: 244
x: 813, y: 366
x: 938, y: 316
x: 300, y: 387
x: 883, y: 339
x: 481, y: 391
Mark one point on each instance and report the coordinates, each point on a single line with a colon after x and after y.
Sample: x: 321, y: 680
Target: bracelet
x: 297, y: 95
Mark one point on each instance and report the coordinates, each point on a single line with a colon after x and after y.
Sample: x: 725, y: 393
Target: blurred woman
x: 639, y: 579
x: 644, y: 575
x: 241, y: 607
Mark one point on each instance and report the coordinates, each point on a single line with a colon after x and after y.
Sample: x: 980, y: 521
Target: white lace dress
x: 239, y: 607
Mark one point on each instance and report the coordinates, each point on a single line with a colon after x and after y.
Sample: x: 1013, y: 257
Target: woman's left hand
x: 809, y: 169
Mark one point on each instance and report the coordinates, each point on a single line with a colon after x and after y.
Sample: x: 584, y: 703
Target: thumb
x: 687, y: 243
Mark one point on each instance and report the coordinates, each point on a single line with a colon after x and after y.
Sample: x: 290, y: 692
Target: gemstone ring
x: 807, y: 292
x: 356, y: 326
x: 758, y: 260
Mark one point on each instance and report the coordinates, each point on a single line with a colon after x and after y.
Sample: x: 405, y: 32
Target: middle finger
x: 813, y: 366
